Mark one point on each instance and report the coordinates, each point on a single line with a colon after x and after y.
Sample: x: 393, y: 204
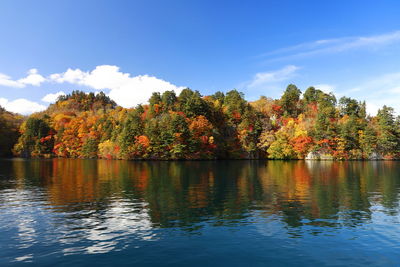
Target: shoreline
x: 182, y: 160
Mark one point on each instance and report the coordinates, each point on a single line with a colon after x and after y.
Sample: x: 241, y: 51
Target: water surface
x: 208, y: 213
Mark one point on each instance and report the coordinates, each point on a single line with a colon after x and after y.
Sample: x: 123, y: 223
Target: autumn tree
x: 9, y: 131
x: 34, y: 140
x: 192, y: 126
x: 155, y: 103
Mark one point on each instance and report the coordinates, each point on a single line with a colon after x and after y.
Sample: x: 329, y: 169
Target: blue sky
x: 131, y: 48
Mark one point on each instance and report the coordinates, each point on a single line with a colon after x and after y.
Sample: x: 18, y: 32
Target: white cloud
x: 127, y: 91
x: 51, y: 98
x: 21, y: 105
x: 333, y: 46
x: 382, y: 39
x: 139, y: 89
x: 33, y: 78
x: 265, y: 78
x: 8, y: 82
x: 70, y: 76
x: 301, y: 47
x: 107, y: 77
x: 378, y: 91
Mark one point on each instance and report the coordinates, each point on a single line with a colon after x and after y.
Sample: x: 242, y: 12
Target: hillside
x: 9, y: 131
x: 312, y: 124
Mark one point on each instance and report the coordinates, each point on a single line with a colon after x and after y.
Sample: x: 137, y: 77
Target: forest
x: 309, y: 125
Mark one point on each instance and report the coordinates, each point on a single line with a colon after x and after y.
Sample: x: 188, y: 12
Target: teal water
x: 68, y: 212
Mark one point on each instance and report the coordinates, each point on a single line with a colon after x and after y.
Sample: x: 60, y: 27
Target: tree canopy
x: 192, y: 126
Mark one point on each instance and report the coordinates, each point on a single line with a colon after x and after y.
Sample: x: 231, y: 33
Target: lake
x: 199, y: 213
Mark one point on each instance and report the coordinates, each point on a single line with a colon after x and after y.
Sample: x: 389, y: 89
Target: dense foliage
x: 9, y: 131
x: 312, y: 124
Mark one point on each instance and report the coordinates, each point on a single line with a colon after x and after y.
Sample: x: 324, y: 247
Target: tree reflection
x: 184, y: 194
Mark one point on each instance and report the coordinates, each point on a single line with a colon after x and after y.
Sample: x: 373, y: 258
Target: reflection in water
x: 96, y: 206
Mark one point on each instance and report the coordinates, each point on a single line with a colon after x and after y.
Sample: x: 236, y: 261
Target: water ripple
x: 290, y: 213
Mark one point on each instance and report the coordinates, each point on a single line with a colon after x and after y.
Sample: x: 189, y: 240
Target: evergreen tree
x: 290, y: 101
x: 388, y: 132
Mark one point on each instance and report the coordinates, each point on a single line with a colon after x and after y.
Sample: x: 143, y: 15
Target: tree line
x: 313, y: 124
